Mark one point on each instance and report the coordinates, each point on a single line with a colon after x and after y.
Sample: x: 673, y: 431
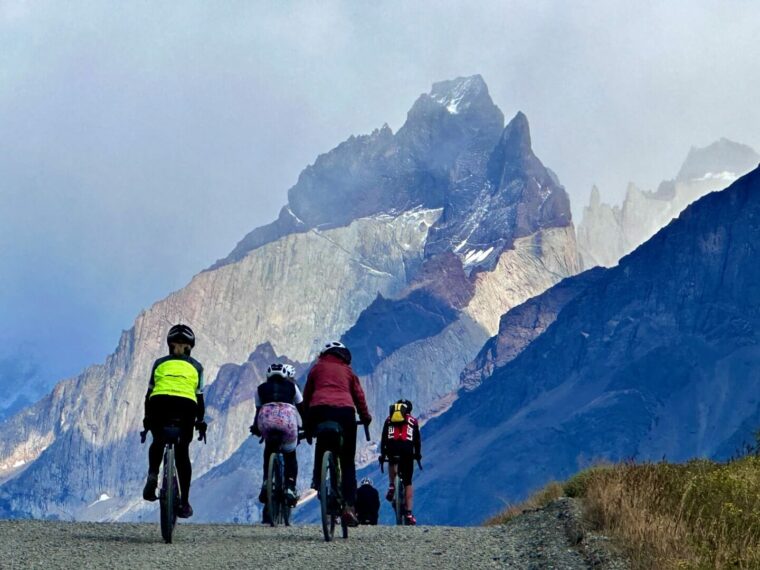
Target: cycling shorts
x: 403, y: 456
x: 279, y: 420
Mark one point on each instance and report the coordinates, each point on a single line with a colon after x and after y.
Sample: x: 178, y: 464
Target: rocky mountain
x: 607, y: 233
x: 656, y: 357
x: 351, y: 252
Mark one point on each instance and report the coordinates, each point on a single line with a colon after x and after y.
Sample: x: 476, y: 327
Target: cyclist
x: 333, y: 393
x: 367, y: 502
x: 401, y: 438
x: 277, y: 401
x: 175, y: 391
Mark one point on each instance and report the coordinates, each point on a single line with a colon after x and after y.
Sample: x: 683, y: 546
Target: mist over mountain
x: 607, y: 233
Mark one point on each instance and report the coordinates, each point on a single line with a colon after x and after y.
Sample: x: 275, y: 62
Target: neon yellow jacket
x: 176, y: 375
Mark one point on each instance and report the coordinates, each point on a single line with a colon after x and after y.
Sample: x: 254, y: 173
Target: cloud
x: 139, y: 141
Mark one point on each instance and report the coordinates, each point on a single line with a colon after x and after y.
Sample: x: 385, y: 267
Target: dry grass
x: 699, y: 514
x: 696, y: 515
x: 551, y: 492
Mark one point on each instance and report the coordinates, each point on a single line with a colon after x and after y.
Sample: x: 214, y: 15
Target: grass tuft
x: 546, y: 495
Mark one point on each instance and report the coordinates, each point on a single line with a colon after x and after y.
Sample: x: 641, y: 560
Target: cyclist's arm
x: 417, y: 440
x: 384, y: 440
x: 308, y: 392
x: 360, y: 401
x: 298, y: 403
x: 151, y: 385
x: 200, y: 413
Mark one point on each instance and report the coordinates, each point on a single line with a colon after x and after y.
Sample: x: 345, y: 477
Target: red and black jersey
x: 398, y: 436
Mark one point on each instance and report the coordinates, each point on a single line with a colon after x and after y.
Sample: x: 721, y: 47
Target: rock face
x: 607, y: 233
x: 82, y: 438
x: 522, y: 325
x: 351, y: 254
x: 654, y: 358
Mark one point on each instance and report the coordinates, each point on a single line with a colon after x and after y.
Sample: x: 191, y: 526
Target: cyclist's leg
x: 185, y: 410
x: 157, y: 415
x: 268, y: 450
x: 347, y: 454
x: 406, y: 472
x: 155, y: 454
x: 182, y: 460
x: 291, y: 469
x: 316, y: 415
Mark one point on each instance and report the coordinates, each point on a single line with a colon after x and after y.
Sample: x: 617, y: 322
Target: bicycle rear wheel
x: 398, y: 499
x: 327, y: 498
x: 274, y: 488
x: 169, y: 499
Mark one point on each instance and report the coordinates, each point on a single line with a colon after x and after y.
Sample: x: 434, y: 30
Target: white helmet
x: 330, y: 346
x: 282, y: 370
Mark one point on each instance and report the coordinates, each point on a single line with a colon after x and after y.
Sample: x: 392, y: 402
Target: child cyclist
x: 277, y: 401
x: 401, y: 439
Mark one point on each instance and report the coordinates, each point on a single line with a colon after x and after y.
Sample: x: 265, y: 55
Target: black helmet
x: 408, y: 405
x: 338, y: 349
x: 181, y: 334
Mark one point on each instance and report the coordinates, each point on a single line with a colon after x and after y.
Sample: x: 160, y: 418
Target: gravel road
x: 532, y: 541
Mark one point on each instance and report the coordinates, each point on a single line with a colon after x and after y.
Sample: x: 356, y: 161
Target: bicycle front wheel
x: 169, y: 498
x: 327, y: 498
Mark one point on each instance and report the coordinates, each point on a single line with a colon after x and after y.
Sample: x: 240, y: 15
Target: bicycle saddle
x: 171, y: 431
x: 328, y: 427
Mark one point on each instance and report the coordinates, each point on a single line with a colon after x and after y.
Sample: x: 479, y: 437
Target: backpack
x: 397, y: 413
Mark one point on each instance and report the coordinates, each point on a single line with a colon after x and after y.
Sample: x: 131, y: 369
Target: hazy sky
x: 139, y: 141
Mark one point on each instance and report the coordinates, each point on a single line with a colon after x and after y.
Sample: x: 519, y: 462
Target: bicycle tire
x: 398, y: 500
x: 326, y: 496
x: 285, y: 507
x: 169, y: 495
x: 273, y: 503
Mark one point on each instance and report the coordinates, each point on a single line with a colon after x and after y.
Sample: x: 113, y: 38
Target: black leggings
x: 346, y: 417
x: 162, y: 409
x: 291, y: 463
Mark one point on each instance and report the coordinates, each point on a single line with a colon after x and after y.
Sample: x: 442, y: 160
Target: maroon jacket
x: 331, y: 382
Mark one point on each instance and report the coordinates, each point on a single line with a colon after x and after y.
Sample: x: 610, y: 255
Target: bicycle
x: 330, y: 494
x: 399, y: 493
x: 169, y: 497
x: 277, y: 504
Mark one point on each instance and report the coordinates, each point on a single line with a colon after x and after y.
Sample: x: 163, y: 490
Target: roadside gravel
x: 534, y: 540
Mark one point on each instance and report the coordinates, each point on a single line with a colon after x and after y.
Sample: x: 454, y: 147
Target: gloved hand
x: 366, y: 420
x: 201, y: 426
x: 254, y: 429
x: 146, y: 423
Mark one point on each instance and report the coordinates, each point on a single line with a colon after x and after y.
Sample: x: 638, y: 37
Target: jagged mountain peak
x: 723, y: 158
x: 595, y: 199
x: 457, y: 109
x: 457, y: 95
x: 517, y: 132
